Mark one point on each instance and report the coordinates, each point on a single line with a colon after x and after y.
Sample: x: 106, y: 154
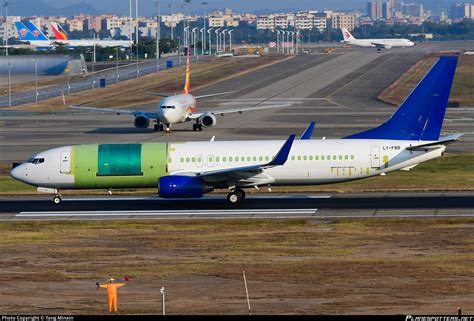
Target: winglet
x: 282, y: 155
x: 308, y: 132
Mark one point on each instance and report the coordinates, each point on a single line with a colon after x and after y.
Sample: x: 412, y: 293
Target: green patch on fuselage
x: 120, y: 160
x: 90, y: 170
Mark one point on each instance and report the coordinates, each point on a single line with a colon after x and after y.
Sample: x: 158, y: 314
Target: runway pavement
x: 363, y: 205
x: 338, y: 91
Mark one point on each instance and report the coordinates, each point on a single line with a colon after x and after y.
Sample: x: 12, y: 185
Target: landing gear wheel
x: 57, y: 199
x: 195, y: 126
x: 199, y: 127
x: 156, y: 128
x: 242, y: 192
x: 235, y: 197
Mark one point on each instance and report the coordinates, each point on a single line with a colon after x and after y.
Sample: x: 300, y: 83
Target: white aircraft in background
x: 177, y: 109
x: 62, y: 37
x: 190, y: 169
x: 375, y: 43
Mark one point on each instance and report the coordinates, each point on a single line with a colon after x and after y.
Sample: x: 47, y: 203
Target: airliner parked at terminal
x: 62, y: 37
x: 175, y: 109
x: 35, y: 37
x: 190, y: 169
x: 376, y: 43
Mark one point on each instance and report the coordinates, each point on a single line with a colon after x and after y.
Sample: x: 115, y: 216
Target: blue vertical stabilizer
x: 23, y: 32
x: 38, y: 34
x: 421, y: 114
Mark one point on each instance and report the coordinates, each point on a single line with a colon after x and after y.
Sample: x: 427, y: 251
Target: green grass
x: 451, y: 172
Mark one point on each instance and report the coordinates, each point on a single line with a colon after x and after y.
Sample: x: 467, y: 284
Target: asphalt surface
x: 364, y: 205
x: 338, y: 91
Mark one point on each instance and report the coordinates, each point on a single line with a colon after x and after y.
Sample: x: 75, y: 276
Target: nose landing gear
x: 197, y: 126
x: 57, y: 198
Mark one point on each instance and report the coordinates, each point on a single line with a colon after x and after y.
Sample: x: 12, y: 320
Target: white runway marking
x: 188, y: 213
x: 117, y: 198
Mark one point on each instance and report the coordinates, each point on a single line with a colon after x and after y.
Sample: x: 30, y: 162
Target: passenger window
x: 340, y: 157
x: 328, y: 157
x: 304, y: 157
x: 224, y: 159
x: 292, y: 158
x: 187, y: 159
x: 334, y: 157
x: 248, y: 158
x: 311, y: 157
x: 261, y: 158
x: 254, y: 158
x: 193, y: 159
x: 322, y: 157
x: 352, y: 156
x: 267, y: 158
x: 299, y: 158
x: 218, y: 159
x: 316, y: 157
x: 230, y: 159
x: 236, y: 158
x: 346, y: 157
x: 181, y: 160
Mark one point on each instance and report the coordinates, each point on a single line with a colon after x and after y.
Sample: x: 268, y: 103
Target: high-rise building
x: 387, y: 10
x: 374, y: 9
x: 461, y: 11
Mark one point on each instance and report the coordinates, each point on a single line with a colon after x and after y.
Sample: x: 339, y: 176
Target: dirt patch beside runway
x: 463, y: 86
x: 292, y: 266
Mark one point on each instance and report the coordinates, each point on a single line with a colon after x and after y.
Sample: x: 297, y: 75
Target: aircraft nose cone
x: 19, y: 173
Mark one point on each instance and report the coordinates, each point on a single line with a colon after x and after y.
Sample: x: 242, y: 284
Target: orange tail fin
x: 188, y: 73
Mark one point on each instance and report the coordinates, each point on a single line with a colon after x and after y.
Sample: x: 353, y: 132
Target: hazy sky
x: 238, y: 5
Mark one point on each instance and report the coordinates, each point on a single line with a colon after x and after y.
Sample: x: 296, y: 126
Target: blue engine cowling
x: 176, y: 186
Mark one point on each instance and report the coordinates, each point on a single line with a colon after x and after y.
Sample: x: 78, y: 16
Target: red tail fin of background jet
x: 188, y: 73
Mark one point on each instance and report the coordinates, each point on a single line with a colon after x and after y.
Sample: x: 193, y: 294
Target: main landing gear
x: 236, y: 196
x: 197, y: 126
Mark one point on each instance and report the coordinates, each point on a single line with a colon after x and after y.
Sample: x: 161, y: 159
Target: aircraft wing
x: 245, y: 172
x: 236, y: 110
x: 382, y: 45
x: 117, y: 111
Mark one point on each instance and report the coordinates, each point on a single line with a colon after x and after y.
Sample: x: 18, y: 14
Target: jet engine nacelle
x: 178, y: 186
x: 141, y: 121
x: 208, y: 120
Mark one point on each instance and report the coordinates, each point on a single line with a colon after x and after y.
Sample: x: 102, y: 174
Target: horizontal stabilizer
x: 440, y: 143
x: 421, y: 115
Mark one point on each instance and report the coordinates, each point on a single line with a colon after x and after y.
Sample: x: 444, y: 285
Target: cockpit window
x: 168, y: 107
x: 35, y: 161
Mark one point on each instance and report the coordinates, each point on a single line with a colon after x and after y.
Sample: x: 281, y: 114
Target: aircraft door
x: 375, y: 157
x: 65, y: 165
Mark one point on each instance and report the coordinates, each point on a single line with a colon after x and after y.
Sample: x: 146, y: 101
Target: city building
x: 412, y: 9
x: 266, y: 22
x: 339, y: 21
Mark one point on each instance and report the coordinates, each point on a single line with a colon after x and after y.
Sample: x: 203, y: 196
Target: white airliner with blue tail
x: 191, y: 169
